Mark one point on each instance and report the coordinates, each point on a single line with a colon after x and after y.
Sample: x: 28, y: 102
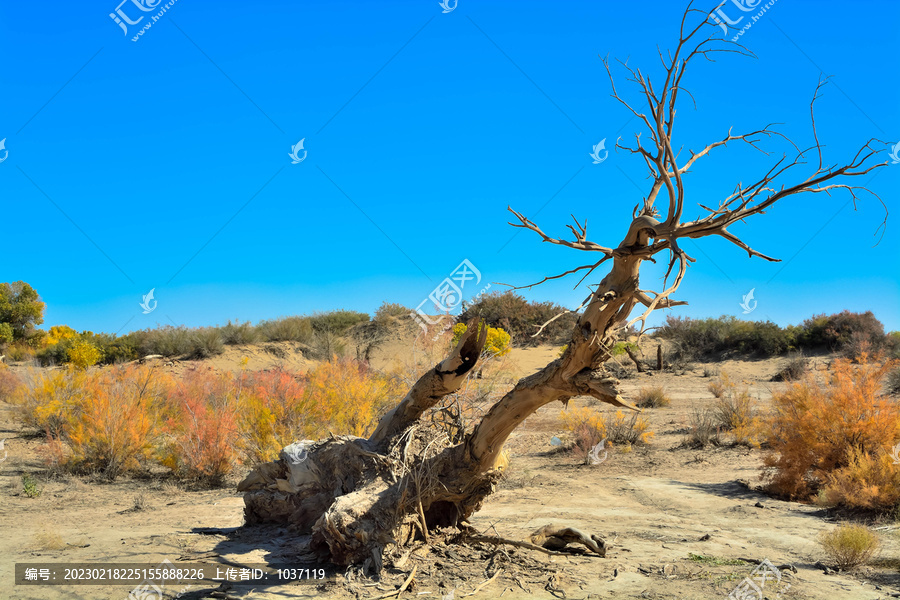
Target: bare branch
x: 580, y: 244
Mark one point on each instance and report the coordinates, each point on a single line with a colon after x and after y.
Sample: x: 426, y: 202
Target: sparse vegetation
x: 893, y: 381
x: 715, y: 561
x: 795, y: 368
x: 48, y: 540
x: 717, y: 387
x: 30, y: 486
x: 652, y: 397
x: 850, y: 546
x: 631, y: 430
x: 702, y: 429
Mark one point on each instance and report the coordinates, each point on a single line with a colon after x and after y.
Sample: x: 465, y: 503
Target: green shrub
x: 845, y: 331
x: 337, y: 321
x: 56, y: 354
x: 30, y: 486
x: 286, y: 329
x: 699, y: 338
x: 167, y: 341
x: 117, y: 350
x: 521, y: 318
x: 238, y: 333
x: 206, y: 342
x: 391, y: 309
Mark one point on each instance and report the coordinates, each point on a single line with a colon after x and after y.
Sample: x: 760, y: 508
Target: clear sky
x: 164, y: 163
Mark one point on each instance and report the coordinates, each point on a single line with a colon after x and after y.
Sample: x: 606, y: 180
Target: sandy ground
x: 657, y: 505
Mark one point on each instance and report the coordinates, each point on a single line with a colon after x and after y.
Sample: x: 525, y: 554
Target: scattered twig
x: 402, y: 587
x: 483, y: 584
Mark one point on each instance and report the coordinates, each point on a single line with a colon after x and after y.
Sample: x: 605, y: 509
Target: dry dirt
x: 656, y: 505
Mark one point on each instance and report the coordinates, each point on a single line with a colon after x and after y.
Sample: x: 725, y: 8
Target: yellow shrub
x: 84, y: 355
x: 497, y: 343
x: 58, y: 333
x: 350, y: 396
x: 574, y: 417
x: 587, y: 428
x: 850, y: 545
x: 868, y: 482
x: 628, y: 430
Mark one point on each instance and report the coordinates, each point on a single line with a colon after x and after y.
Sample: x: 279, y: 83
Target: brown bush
x: 815, y: 428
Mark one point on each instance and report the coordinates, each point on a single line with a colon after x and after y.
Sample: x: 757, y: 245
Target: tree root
x: 548, y: 540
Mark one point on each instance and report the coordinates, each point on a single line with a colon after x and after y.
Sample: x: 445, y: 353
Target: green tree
x: 20, y: 308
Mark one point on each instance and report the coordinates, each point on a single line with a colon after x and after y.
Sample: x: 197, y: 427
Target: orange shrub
x: 277, y: 409
x: 815, y: 429
x: 97, y: 420
x: 201, y: 426
x: 118, y: 426
x: 202, y: 421
x: 349, y: 397
x: 868, y: 481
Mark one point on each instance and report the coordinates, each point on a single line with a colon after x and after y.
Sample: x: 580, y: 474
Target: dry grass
x: 703, y: 429
x: 139, y: 502
x: 46, y: 539
x: 850, y: 546
x: 653, y: 397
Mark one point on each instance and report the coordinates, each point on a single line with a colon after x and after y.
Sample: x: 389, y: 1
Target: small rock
x: 705, y: 537
x: 759, y: 505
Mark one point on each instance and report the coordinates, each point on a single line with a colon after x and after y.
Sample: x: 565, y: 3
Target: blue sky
x: 163, y: 163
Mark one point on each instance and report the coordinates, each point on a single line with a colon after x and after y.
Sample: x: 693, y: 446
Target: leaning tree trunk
x: 357, y: 495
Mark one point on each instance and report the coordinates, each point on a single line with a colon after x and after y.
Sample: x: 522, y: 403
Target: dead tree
x: 355, y: 496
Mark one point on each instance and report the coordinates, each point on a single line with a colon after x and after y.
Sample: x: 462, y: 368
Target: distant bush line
x: 324, y: 335
x: 845, y: 332
x: 319, y: 334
